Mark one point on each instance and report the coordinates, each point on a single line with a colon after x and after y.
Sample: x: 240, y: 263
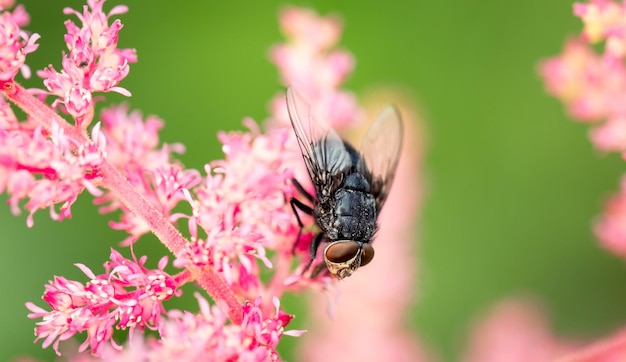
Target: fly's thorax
x: 343, y: 257
x: 357, y: 181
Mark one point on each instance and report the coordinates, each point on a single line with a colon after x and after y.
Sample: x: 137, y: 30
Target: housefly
x: 350, y: 186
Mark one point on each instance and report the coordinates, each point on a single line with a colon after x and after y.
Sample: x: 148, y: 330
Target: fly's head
x: 343, y: 257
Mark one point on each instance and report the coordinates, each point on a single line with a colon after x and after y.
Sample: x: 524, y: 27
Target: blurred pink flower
x: 310, y: 63
x: 592, y: 86
x: 515, y: 330
x: 610, y: 227
x: 5, y: 4
x: 604, y: 20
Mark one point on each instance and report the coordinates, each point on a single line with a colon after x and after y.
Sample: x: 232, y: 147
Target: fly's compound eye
x: 367, y: 254
x: 344, y: 257
x: 341, y: 252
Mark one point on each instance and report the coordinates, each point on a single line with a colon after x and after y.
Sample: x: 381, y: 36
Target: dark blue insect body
x: 350, y: 187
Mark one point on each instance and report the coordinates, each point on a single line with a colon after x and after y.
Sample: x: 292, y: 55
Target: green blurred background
x: 513, y: 184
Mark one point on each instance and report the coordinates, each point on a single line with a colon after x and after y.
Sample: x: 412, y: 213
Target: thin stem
x: 113, y: 180
x: 604, y: 349
x: 38, y: 110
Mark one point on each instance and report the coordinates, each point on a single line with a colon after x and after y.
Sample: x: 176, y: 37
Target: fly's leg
x: 302, y: 190
x: 313, y: 251
x: 295, y: 203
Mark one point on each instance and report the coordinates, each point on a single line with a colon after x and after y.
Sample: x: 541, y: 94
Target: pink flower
x: 611, y: 135
x: 604, y: 20
x: 50, y: 170
x: 127, y: 295
x: 186, y: 336
x: 94, y: 64
x: 4, y: 4
x: 310, y: 64
x: 133, y: 147
x: 14, y: 45
x: 515, y: 331
x: 611, y: 225
x: 240, y: 211
x: 593, y: 88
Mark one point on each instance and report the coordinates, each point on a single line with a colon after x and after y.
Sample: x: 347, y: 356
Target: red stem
x: 608, y: 349
x: 113, y: 180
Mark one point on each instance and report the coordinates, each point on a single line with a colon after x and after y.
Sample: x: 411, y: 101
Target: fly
x: 350, y: 186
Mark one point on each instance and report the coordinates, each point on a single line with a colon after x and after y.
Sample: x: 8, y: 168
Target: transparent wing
x: 324, y: 152
x: 380, y: 152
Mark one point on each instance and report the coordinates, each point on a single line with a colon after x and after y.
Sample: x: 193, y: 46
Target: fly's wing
x: 324, y: 153
x: 380, y: 152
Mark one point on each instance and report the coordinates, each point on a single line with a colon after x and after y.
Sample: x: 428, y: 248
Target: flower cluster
x: 127, y: 295
x: 592, y: 85
x: 589, y: 77
x: 16, y: 43
x: 188, y: 336
x: 237, y: 214
x: 47, y: 167
x: 93, y: 64
x: 133, y: 147
x: 239, y: 210
x: 310, y: 63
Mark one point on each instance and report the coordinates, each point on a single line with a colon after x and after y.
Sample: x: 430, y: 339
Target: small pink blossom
x: 93, y: 64
x: 186, y: 336
x: 133, y: 147
x: 241, y: 210
x: 14, y: 45
x: 611, y: 135
x: 591, y: 87
x: 20, y: 16
x: 4, y: 4
x: 52, y: 169
x: 314, y: 32
x: 611, y: 225
x: 127, y: 295
x: 604, y: 20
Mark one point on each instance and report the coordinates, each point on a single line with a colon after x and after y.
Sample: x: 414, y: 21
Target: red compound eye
x: 367, y: 254
x: 341, y: 252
